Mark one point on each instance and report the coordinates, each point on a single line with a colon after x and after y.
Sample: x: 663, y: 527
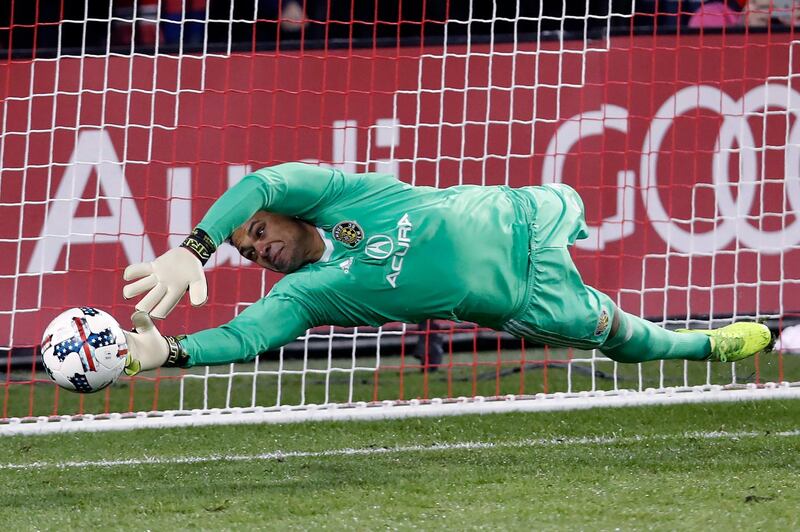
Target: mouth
x: 275, y: 253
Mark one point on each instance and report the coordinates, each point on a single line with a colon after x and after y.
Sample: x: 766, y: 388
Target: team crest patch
x: 602, y: 323
x: 348, y: 233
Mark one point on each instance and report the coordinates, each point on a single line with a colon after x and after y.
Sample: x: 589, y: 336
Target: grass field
x: 462, y: 374
x: 711, y: 466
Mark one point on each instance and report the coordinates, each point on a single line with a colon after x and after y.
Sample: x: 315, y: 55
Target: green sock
x: 639, y: 340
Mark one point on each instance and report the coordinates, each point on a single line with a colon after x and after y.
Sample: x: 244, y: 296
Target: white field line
x: 368, y: 451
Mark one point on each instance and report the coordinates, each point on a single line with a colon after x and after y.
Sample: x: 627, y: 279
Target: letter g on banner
x: 568, y: 134
x: 733, y: 212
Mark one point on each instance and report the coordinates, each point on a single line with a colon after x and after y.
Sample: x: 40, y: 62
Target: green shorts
x: 560, y: 310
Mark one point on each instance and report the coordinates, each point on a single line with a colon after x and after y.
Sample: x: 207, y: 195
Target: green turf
x: 498, y: 374
x: 651, y: 474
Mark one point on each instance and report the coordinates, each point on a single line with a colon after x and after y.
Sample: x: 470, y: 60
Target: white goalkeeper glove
x: 169, y: 276
x: 147, y: 349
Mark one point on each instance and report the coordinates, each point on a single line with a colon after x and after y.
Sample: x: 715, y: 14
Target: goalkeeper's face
x: 278, y: 243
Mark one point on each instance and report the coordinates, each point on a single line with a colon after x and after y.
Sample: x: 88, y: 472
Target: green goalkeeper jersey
x: 394, y: 253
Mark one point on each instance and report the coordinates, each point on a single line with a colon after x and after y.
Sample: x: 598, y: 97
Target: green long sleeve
x: 267, y: 324
x: 294, y: 189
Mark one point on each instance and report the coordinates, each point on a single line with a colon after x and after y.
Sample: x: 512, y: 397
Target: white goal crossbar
x: 398, y: 410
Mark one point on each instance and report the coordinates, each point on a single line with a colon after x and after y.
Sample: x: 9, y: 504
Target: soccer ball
x: 84, y: 349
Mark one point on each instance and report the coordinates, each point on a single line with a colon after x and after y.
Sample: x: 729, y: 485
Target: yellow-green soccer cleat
x: 736, y: 341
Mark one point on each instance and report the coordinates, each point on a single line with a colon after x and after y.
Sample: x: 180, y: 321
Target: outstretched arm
x: 293, y: 189
x: 270, y: 323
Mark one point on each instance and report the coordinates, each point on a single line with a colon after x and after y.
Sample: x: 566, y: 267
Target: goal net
x: 121, y: 126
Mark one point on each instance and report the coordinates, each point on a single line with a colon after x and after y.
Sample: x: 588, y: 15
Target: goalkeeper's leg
x: 562, y: 311
x: 633, y: 339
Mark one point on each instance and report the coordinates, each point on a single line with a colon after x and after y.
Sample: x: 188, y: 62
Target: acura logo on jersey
x: 403, y: 244
x: 379, y: 247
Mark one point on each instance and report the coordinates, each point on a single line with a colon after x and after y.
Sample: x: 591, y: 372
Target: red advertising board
x: 686, y: 150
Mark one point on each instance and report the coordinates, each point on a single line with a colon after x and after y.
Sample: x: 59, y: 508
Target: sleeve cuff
x: 177, y: 357
x: 200, y: 244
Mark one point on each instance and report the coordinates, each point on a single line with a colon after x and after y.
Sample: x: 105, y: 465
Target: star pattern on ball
x: 102, y: 338
x: 80, y: 383
x: 65, y: 347
x: 89, y: 311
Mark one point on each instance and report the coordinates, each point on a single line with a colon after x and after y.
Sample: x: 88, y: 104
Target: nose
x: 260, y: 248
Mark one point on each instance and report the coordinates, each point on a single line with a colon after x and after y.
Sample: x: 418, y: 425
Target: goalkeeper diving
x: 367, y: 249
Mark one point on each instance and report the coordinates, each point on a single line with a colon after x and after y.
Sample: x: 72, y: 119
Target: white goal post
x: 684, y: 143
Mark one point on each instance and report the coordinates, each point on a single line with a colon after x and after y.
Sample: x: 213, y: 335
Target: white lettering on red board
x: 63, y: 228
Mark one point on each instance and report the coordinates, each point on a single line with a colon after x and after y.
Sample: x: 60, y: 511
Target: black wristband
x: 177, y: 357
x: 200, y: 244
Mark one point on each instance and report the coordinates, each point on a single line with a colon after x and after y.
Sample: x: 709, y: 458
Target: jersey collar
x: 326, y: 255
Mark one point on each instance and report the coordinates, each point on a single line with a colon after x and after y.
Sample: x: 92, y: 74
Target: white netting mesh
x: 684, y: 146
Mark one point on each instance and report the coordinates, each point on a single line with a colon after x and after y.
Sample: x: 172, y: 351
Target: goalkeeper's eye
x: 256, y: 231
x: 248, y: 253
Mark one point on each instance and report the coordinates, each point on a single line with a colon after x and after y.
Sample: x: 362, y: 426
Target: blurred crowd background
x: 38, y: 27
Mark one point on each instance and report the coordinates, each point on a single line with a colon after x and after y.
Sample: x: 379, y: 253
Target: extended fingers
x: 167, y: 303
x: 135, y: 271
x: 198, y: 292
x: 152, y: 298
x: 138, y: 287
x: 141, y: 321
